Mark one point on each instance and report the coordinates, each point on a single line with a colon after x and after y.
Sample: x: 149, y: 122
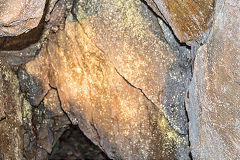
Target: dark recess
x: 73, y: 144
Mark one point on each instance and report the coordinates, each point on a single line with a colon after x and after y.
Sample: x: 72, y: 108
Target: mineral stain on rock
x: 11, y: 130
x: 190, y: 20
x: 122, y: 72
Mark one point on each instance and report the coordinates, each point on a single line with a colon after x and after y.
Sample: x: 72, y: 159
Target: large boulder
x: 112, y: 113
x: 130, y: 34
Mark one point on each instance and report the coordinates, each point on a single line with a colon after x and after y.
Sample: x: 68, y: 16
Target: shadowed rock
x: 11, y: 101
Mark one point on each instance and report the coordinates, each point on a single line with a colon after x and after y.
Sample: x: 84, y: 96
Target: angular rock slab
x: 214, y: 100
x: 113, y: 114
x: 20, y: 16
x: 130, y: 34
x: 190, y: 20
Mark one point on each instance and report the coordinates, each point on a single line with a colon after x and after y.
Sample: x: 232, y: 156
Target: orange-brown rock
x: 19, y: 16
x: 95, y: 93
x: 129, y: 33
x: 112, y: 113
x: 190, y: 20
x: 215, y: 91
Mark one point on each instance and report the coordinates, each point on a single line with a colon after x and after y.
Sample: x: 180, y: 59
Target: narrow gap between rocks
x: 186, y: 60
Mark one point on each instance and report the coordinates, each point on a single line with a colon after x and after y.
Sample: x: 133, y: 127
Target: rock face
x: 19, y: 16
x: 190, y: 20
x: 119, y: 72
x: 215, y: 90
x: 27, y: 132
x: 109, y: 110
x: 11, y: 130
x: 135, y: 44
x: 2, y: 114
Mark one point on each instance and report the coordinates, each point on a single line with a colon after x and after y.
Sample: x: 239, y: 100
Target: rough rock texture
x: 124, y: 85
x: 190, y: 20
x: 19, y: 16
x: 112, y: 113
x: 2, y: 114
x: 117, y: 70
x: 43, y: 126
x: 44, y: 120
x: 11, y: 127
x: 214, y: 95
x: 135, y: 43
x: 27, y: 132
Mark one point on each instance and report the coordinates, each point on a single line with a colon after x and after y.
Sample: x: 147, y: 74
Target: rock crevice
x: 141, y: 79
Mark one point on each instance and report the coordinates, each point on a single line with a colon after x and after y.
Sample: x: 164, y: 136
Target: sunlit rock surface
x: 190, y: 20
x: 215, y: 91
x: 19, y: 16
x: 130, y: 34
x: 112, y: 113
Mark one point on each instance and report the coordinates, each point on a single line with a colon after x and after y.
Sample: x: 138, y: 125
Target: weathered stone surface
x: 2, y: 114
x: 42, y: 127
x: 11, y: 130
x: 135, y: 44
x: 52, y: 103
x: 190, y: 20
x: 19, y: 16
x: 31, y: 87
x: 27, y: 132
x: 57, y: 14
x: 114, y: 114
x: 215, y: 91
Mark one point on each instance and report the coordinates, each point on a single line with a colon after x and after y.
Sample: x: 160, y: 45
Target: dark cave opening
x: 73, y: 144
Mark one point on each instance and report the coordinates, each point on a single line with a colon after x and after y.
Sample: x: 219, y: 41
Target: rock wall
x: 214, y: 92
x: 11, y: 126
x: 190, y: 20
x: 142, y: 79
x: 94, y: 93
